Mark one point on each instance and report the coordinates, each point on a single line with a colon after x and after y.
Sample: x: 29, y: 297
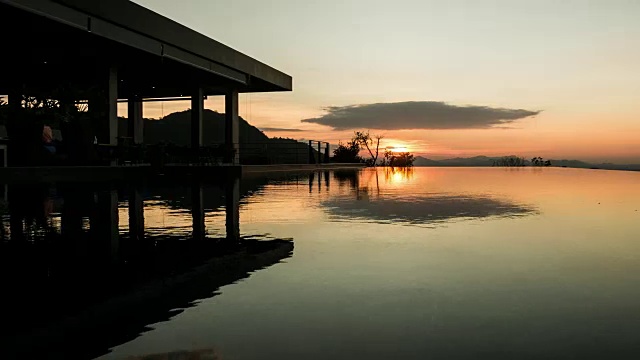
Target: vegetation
x: 361, y: 140
x: 538, y: 161
x: 347, y: 153
x: 515, y: 161
x: 364, y: 139
x: 510, y: 161
x: 398, y: 159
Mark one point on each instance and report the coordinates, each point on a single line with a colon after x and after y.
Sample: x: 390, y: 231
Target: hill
x: 488, y: 161
x: 175, y: 128
x: 255, y: 146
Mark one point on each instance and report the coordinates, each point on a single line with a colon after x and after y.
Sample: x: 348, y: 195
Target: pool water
x: 425, y: 263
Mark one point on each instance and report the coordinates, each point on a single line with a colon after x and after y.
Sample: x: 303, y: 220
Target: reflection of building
x: 64, y: 280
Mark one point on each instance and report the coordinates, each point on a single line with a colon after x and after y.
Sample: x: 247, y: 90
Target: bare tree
x: 368, y: 141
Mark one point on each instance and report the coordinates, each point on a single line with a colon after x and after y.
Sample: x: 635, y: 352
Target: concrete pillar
x: 311, y: 156
x: 104, y: 106
x: 232, y: 128
x: 136, y: 216
x: 327, y: 154
x: 197, y: 111
x: 197, y: 211
x: 232, y: 209
x: 135, y: 124
x: 319, y: 160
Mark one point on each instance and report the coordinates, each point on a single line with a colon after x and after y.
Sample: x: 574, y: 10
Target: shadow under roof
x: 145, y: 46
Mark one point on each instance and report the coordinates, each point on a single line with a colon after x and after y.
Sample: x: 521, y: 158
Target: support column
x: 311, y: 157
x: 135, y: 124
x: 319, y: 160
x: 104, y: 106
x: 232, y: 210
x: 232, y: 128
x: 197, y: 211
x: 327, y: 154
x: 197, y: 110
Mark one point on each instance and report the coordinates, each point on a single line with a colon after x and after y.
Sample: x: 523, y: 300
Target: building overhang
x: 155, y: 56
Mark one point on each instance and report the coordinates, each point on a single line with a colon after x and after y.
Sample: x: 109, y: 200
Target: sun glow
x: 398, y: 149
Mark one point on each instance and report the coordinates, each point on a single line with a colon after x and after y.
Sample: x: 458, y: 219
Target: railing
x: 280, y: 152
x: 318, y: 157
x: 274, y: 151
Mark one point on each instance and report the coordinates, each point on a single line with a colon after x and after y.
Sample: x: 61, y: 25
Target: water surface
x: 438, y: 263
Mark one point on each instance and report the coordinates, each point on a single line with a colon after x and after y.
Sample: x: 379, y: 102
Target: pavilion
x: 124, y: 52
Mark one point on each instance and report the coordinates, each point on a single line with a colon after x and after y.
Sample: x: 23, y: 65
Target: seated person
x: 47, y: 139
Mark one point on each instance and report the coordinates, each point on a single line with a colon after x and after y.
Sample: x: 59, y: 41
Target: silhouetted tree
x: 510, y: 161
x: 394, y: 159
x: 347, y: 153
x: 368, y: 141
x: 538, y: 161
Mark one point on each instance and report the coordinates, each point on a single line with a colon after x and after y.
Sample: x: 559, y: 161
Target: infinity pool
x: 428, y: 263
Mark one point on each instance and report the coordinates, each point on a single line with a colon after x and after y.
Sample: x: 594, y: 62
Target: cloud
x: 430, y: 115
x: 275, y: 129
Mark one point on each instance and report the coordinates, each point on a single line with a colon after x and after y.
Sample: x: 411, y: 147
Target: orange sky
x: 577, y: 62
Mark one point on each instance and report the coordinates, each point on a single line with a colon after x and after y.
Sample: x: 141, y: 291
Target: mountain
x: 488, y: 161
x: 255, y: 146
x: 423, y: 161
x: 472, y: 161
x: 175, y: 128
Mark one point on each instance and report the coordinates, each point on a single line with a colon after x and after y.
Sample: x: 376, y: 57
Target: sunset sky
x: 557, y: 79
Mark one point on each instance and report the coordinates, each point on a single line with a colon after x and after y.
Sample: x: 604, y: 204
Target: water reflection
x: 395, y: 202
x: 495, y: 288
x: 79, y: 277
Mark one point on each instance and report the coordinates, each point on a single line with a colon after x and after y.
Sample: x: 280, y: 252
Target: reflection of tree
x: 366, y: 190
x: 347, y: 177
x: 397, y: 159
x: 392, y: 174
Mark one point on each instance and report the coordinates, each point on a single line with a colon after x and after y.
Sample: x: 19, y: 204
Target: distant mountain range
x: 488, y: 161
x: 256, y: 147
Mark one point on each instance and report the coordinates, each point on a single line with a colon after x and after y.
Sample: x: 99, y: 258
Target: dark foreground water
x: 432, y: 263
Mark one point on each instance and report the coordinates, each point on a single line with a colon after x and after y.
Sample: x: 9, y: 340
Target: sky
x: 557, y: 79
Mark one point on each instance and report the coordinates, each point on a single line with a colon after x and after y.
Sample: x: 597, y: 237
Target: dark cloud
x: 418, y: 115
x: 274, y: 129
